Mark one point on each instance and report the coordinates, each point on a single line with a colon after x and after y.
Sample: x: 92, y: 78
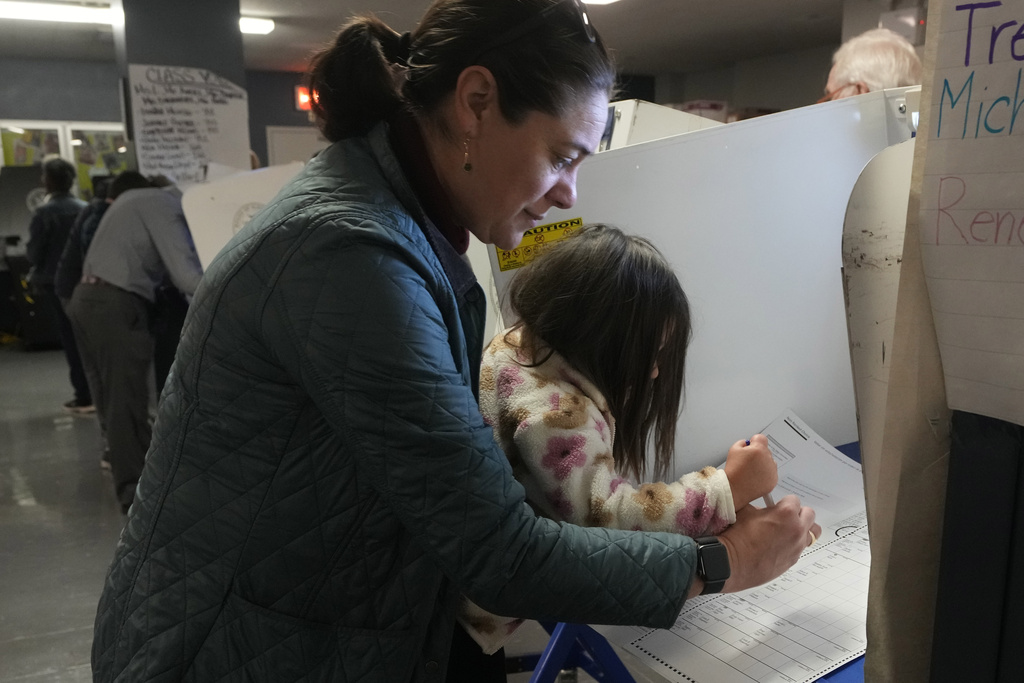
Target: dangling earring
x: 466, y: 166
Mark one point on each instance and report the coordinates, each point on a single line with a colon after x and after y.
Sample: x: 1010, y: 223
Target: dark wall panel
x: 59, y: 90
x: 271, y: 103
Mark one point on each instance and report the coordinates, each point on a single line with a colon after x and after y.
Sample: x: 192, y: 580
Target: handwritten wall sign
x: 972, y: 205
x: 185, y: 118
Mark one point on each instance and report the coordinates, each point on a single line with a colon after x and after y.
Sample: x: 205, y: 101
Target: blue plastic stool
x: 572, y: 646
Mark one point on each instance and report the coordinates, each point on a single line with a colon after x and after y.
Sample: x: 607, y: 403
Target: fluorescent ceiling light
x: 252, y: 25
x: 80, y: 14
x: 15, y: 129
x: 598, y: 2
x: 48, y: 11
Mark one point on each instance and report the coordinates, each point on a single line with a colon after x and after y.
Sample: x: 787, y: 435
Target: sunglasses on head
x: 537, y: 20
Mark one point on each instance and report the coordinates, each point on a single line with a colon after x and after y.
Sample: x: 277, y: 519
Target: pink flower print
x: 563, y: 454
x: 508, y: 379
x: 696, y: 516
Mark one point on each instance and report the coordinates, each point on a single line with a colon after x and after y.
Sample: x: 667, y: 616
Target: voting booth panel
x: 750, y: 215
x: 631, y: 122
x: 218, y: 209
x: 872, y: 254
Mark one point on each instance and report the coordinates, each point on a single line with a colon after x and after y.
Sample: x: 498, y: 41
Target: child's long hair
x: 606, y: 302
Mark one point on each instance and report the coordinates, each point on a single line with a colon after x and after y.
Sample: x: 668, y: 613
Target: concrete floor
x: 59, y: 524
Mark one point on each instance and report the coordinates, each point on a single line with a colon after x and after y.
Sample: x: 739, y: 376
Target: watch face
x: 714, y: 562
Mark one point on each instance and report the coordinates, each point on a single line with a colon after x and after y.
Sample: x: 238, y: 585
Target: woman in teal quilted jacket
x: 321, y: 487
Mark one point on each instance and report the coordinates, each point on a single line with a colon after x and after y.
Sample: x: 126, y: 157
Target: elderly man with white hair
x: 874, y: 60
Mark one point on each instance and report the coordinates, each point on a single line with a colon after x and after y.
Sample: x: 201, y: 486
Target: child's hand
x: 751, y: 470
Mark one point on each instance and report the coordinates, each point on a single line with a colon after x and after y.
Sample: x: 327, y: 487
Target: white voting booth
x: 750, y: 214
x: 216, y: 210
x: 631, y: 122
x: 810, y: 624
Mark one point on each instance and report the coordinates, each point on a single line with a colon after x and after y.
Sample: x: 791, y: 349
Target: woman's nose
x: 563, y: 194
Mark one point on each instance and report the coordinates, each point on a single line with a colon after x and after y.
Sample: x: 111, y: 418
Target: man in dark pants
x: 69, y: 269
x: 48, y: 233
x: 142, y: 240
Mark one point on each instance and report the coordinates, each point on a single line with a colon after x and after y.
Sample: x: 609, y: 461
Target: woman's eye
x: 562, y: 162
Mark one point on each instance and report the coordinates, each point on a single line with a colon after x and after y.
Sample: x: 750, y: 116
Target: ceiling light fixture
x: 259, y: 26
x: 80, y: 14
x: 598, y: 2
x: 47, y: 11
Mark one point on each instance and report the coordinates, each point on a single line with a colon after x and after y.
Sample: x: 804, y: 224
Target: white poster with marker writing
x: 972, y: 205
x: 184, y: 119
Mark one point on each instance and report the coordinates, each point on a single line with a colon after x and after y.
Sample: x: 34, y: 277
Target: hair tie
x: 400, y: 55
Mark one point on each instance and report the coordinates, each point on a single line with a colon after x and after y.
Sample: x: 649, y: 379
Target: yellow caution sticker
x: 535, y: 242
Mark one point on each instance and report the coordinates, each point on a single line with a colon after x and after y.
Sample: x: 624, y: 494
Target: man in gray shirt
x: 141, y: 241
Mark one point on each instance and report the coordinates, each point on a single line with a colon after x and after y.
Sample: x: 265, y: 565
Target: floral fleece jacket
x: 556, y: 429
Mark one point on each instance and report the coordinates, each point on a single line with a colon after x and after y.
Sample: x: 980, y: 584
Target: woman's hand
x: 751, y: 470
x: 763, y: 543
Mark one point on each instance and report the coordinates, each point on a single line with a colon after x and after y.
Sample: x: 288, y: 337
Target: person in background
x: 167, y: 315
x: 874, y: 60
x: 321, y: 488
x: 585, y: 381
x: 141, y: 240
x: 69, y: 268
x: 48, y: 233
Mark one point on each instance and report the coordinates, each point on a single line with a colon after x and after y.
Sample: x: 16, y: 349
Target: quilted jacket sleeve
x: 366, y: 327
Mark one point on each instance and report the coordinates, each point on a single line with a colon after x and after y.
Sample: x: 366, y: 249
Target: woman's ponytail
x: 353, y: 82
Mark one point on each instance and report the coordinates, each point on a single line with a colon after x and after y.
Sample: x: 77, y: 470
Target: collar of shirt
x: 411, y: 150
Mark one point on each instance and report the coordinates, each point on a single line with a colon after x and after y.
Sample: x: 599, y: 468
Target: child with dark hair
x: 591, y: 373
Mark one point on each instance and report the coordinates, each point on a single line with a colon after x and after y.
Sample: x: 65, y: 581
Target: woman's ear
x: 476, y: 98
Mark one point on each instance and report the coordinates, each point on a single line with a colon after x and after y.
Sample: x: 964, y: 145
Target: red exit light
x: 303, y: 102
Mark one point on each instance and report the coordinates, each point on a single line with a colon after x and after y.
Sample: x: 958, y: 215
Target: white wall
x: 786, y: 81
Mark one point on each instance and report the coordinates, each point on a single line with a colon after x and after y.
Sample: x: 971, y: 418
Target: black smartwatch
x: 712, y: 564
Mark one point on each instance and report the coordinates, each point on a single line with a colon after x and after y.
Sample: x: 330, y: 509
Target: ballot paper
x: 809, y: 621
